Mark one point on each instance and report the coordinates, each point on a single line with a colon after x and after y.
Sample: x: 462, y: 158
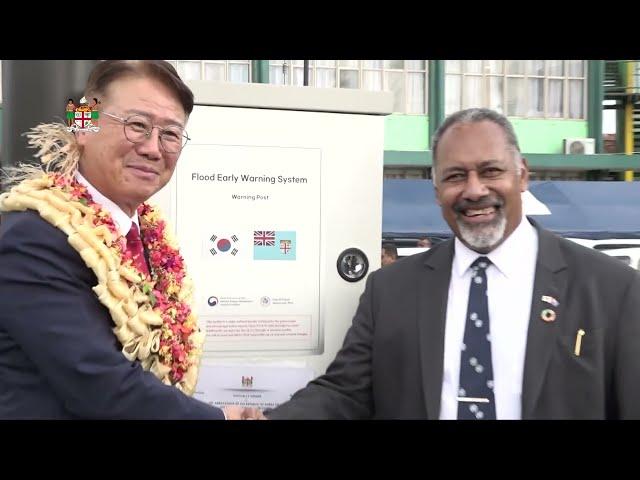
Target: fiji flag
x: 273, y: 245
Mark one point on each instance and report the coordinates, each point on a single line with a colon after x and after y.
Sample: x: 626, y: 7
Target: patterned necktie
x: 134, y: 245
x: 475, y: 395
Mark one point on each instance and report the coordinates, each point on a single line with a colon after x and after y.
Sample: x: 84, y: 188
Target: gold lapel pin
x: 579, y: 336
x: 548, y: 315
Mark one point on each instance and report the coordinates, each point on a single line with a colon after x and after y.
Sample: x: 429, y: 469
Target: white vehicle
x: 408, y: 251
x: 630, y: 256
x: 608, y: 243
x: 624, y: 249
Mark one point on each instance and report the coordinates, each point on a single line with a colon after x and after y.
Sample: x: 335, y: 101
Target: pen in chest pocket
x: 579, y: 336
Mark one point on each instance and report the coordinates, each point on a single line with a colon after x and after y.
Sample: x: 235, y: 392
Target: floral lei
x: 153, y: 318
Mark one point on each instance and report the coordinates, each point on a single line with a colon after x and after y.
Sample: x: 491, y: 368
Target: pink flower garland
x: 164, y: 284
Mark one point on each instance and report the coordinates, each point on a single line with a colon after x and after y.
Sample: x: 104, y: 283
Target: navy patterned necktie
x: 475, y: 394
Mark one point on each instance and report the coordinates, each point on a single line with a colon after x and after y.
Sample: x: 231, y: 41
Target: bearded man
x: 504, y: 321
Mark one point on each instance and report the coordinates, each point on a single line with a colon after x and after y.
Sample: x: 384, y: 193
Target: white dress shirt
x: 121, y: 219
x: 510, y: 280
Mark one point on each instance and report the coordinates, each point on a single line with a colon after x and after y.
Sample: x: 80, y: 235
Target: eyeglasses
x: 138, y: 128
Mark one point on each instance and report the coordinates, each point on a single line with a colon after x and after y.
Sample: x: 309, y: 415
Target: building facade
x: 556, y: 106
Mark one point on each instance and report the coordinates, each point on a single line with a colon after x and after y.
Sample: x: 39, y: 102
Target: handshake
x: 234, y: 412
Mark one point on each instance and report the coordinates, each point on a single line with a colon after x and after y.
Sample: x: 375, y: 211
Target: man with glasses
x: 93, y: 324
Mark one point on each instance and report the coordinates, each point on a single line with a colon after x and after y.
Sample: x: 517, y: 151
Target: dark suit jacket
x: 58, y: 355
x: 391, y: 363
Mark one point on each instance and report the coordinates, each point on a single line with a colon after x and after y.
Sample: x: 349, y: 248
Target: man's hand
x: 234, y: 412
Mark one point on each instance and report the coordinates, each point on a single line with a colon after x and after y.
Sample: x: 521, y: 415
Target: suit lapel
x: 550, y: 281
x: 433, y: 291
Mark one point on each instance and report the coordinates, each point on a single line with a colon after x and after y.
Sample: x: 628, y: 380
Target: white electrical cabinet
x: 277, y: 192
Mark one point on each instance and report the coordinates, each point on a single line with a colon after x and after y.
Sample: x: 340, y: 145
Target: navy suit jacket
x: 58, y: 355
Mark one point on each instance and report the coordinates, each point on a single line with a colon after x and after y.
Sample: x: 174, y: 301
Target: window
x: 407, y: 79
x: 557, y: 175
x: 405, y: 172
x: 517, y: 88
x: 234, y: 71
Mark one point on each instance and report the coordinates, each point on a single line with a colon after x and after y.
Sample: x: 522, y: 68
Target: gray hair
x: 473, y: 115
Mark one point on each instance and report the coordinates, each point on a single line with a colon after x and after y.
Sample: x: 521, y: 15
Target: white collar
x: 506, y: 257
x: 121, y: 219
